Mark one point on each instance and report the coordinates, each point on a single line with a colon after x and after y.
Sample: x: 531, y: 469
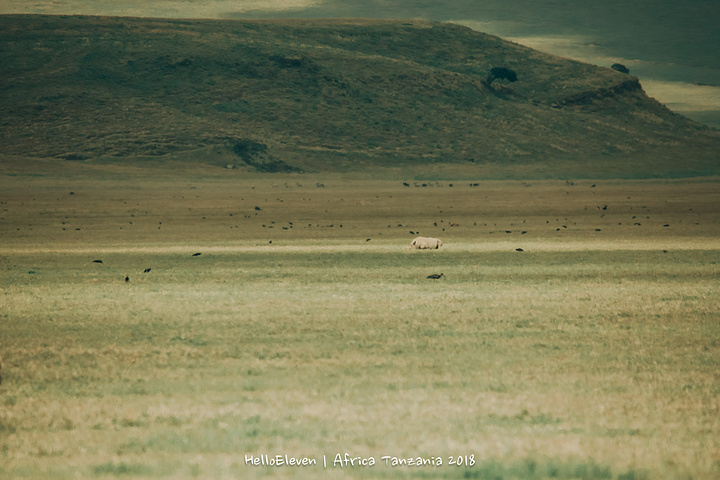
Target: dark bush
x: 500, y: 73
x: 504, y: 73
x: 620, y: 68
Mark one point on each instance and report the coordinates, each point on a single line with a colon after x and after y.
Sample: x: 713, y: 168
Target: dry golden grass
x: 590, y: 354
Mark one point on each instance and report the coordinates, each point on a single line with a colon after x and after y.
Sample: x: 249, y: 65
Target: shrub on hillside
x: 620, y: 68
x: 500, y: 73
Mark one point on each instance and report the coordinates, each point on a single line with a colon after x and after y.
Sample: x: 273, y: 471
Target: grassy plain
x: 306, y: 328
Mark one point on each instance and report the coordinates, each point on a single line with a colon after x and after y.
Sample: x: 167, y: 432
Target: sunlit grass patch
x: 122, y: 468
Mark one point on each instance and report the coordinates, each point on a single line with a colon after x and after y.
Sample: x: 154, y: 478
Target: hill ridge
x: 329, y: 95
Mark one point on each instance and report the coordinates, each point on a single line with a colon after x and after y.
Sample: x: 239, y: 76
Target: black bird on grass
x: 196, y: 254
x: 147, y: 270
x: 127, y: 279
x: 97, y: 261
x: 435, y: 276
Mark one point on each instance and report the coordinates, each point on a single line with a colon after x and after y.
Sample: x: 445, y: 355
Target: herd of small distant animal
x: 420, y: 243
x: 147, y: 270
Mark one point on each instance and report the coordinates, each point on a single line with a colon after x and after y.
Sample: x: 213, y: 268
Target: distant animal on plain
x: 127, y: 279
x: 425, y: 243
x: 97, y: 261
x: 435, y: 276
x: 196, y: 254
x: 147, y: 270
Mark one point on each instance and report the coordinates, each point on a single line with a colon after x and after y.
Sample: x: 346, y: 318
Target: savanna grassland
x: 306, y: 328
x: 178, y: 299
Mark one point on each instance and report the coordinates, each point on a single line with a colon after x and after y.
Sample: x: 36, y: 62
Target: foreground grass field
x: 591, y: 353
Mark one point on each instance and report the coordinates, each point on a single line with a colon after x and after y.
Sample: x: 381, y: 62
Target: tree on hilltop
x: 620, y: 68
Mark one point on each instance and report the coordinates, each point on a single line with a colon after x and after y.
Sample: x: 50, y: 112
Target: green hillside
x: 328, y: 96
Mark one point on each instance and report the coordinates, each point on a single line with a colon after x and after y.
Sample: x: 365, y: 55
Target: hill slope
x: 328, y: 95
